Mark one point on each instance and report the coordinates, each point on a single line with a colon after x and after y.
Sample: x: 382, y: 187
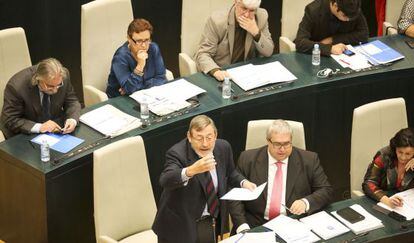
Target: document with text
x: 324, y: 225
x: 407, y: 209
x: 242, y: 194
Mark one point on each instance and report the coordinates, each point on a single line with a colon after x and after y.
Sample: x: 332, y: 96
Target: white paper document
x: 256, y: 237
x: 110, y: 121
x: 407, y: 208
x: 242, y: 194
x: 167, y: 98
x: 369, y: 223
x: 291, y: 230
x: 355, y: 62
x: 252, y: 76
x: 324, y: 225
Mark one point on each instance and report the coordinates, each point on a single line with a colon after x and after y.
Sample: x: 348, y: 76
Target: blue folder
x: 65, y: 144
x: 386, y: 55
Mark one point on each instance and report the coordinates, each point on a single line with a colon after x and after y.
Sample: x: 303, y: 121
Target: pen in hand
x: 288, y: 209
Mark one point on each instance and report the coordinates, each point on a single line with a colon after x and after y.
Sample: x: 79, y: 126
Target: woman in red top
x: 391, y: 169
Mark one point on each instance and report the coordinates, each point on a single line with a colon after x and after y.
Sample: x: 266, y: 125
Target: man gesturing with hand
x: 197, y: 172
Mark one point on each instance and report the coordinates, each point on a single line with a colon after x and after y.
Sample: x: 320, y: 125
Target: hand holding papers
x: 407, y: 208
x: 242, y: 194
x: 252, y: 76
x: 167, y: 98
x: 110, y: 121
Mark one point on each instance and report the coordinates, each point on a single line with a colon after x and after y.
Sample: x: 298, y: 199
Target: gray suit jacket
x: 305, y: 179
x: 22, y: 108
x: 216, y: 45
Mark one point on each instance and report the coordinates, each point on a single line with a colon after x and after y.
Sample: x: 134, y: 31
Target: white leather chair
x: 373, y: 125
x: 392, y: 14
x: 193, y: 19
x: 103, y: 29
x: 256, y: 133
x: 123, y: 199
x: 292, y: 13
x: 14, y: 57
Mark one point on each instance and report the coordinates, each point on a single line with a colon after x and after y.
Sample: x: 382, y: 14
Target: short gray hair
x: 200, y: 122
x: 252, y: 4
x: 48, y: 69
x: 278, y: 126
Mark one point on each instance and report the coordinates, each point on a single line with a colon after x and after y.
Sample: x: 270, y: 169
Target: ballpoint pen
x: 288, y: 209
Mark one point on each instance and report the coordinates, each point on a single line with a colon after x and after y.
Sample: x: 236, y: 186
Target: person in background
x: 406, y: 21
x: 137, y: 64
x: 40, y: 99
x: 234, y: 35
x: 391, y: 169
x: 296, y: 182
x: 197, y: 172
x: 332, y: 24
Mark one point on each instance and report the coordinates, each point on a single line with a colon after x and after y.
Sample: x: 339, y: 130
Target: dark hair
x: 139, y: 25
x: 351, y: 8
x: 403, y: 138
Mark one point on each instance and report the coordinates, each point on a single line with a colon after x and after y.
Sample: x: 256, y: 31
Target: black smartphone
x: 410, y: 43
x: 348, y: 52
x: 351, y: 215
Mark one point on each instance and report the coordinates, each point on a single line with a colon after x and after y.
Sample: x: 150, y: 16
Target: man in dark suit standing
x: 296, y: 182
x: 40, y: 99
x: 196, y: 174
x: 332, y: 24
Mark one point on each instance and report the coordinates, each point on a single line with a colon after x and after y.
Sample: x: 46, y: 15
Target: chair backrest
x: 256, y: 133
x: 104, y: 26
x: 123, y: 198
x: 373, y: 125
x: 393, y: 11
x: 292, y: 13
x: 14, y: 56
x: 193, y: 18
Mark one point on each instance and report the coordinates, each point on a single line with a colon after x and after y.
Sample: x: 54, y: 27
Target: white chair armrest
x: 169, y: 75
x: 186, y: 64
x: 286, y: 45
x: 2, y: 138
x: 106, y: 239
x: 93, y: 95
x: 356, y: 193
x: 388, y: 29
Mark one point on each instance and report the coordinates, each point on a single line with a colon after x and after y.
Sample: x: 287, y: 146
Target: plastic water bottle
x: 144, y: 109
x: 316, y: 55
x: 226, y: 90
x: 44, y: 151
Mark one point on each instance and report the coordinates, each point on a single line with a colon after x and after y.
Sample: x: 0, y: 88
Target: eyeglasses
x: 49, y: 87
x: 278, y: 145
x: 243, y: 9
x: 201, y: 139
x: 140, y: 42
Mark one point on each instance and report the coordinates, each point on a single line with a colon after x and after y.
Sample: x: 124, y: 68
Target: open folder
x: 59, y: 142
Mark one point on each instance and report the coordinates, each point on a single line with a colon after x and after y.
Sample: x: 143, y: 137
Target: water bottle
x: 226, y: 90
x: 144, y: 109
x: 44, y: 151
x: 316, y: 55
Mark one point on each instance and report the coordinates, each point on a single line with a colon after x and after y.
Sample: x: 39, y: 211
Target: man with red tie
x: 296, y: 182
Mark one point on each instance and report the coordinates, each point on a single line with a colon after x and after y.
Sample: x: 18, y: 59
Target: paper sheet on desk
x: 291, y: 230
x: 324, y: 225
x: 60, y: 142
x: 262, y: 237
x: 354, y: 62
x: 408, y: 204
x: 241, y: 194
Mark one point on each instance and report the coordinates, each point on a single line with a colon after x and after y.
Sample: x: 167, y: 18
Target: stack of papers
x: 291, y: 230
x: 354, y: 62
x: 262, y: 237
x: 242, y: 194
x: 59, y: 142
x: 252, y: 76
x: 324, y: 225
x: 110, y: 121
x: 407, y: 208
x: 369, y: 223
x: 167, y: 98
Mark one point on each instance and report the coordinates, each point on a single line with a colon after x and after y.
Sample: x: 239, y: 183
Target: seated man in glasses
x: 296, y: 182
x: 137, y: 64
x: 234, y: 35
x: 332, y: 24
x: 40, y: 99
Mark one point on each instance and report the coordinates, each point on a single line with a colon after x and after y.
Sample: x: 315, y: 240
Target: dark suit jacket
x: 305, y: 179
x: 181, y: 205
x: 22, y: 108
x: 315, y: 26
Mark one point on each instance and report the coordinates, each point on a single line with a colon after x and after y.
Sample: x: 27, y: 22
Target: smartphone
x: 410, y: 43
x: 348, y: 52
x: 351, y: 215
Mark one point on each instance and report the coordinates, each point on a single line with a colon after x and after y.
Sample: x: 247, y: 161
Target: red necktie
x: 276, y: 198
